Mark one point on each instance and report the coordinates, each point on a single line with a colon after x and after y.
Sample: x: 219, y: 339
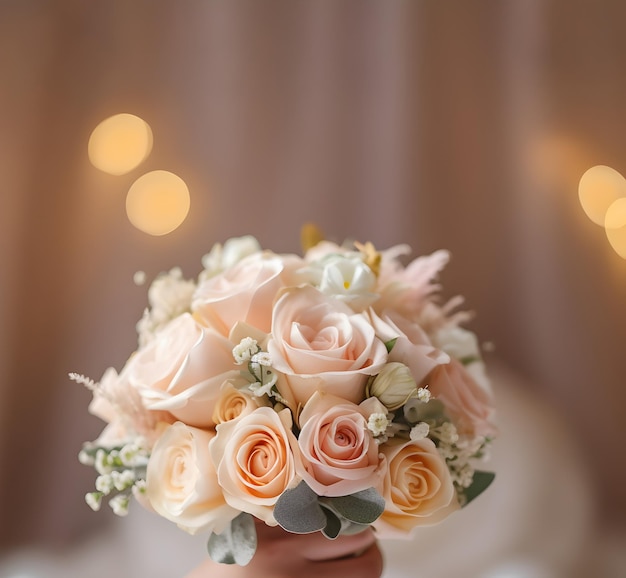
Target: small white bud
x: 260, y: 390
x: 262, y: 358
x: 119, y: 504
x: 122, y: 480
x: 113, y: 459
x: 423, y: 394
x: 105, y: 484
x: 139, y: 487
x: 128, y: 454
x: 100, y: 463
x: 94, y: 500
x: 447, y: 433
x: 419, y: 431
x: 377, y: 423
x: 86, y: 459
x: 244, y: 351
x: 393, y: 386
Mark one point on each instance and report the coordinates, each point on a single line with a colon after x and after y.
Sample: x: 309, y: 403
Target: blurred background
x: 458, y: 125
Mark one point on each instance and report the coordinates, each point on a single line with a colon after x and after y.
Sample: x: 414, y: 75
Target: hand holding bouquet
x: 330, y: 392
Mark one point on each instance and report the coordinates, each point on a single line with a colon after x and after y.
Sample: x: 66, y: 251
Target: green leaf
x: 363, y: 507
x: 297, y: 510
x: 333, y: 524
x: 480, y: 482
x: 389, y: 344
x: 236, y: 544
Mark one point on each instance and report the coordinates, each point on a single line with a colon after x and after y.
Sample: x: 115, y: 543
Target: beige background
x: 464, y: 125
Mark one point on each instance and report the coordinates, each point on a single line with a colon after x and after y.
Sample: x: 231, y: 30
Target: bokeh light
x: 598, y: 189
x: 615, y: 226
x: 120, y: 143
x: 157, y: 202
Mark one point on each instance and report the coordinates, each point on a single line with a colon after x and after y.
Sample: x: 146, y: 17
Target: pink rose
x: 319, y: 344
x: 181, y: 370
x: 339, y: 454
x: 245, y: 292
x: 181, y: 483
x: 411, y: 348
x: 466, y: 402
x: 418, y: 489
x: 256, y: 458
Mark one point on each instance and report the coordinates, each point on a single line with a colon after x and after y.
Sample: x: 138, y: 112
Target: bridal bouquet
x: 330, y: 392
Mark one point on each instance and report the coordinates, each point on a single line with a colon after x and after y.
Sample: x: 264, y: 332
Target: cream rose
x: 245, y: 292
x: 319, y: 344
x: 339, y: 454
x: 234, y: 402
x: 181, y: 370
x: 181, y: 482
x: 417, y: 488
x: 466, y: 402
x: 257, y: 459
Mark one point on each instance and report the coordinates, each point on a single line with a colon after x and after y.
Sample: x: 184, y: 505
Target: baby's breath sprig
x: 122, y: 473
x: 261, y: 374
x: 461, y: 453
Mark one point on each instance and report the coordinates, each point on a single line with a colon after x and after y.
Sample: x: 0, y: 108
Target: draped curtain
x: 462, y: 125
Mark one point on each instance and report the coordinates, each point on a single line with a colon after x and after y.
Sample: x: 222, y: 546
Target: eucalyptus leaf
x: 236, y: 544
x: 350, y: 528
x: 480, y: 482
x: 297, y: 510
x: 362, y: 507
x: 333, y: 524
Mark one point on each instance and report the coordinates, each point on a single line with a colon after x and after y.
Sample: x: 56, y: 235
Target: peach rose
x: 466, y: 402
x: 319, y: 344
x: 182, y: 369
x: 412, y: 347
x: 233, y: 403
x: 244, y: 292
x: 339, y: 454
x: 181, y: 483
x: 417, y: 488
x: 257, y: 459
